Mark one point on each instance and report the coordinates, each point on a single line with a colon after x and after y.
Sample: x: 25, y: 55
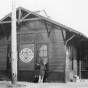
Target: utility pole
x: 14, y: 45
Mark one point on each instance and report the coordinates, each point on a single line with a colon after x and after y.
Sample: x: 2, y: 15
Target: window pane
x: 45, y: 60
x: 45, y: 47
x: 58, y: 36
x: 45, y: 53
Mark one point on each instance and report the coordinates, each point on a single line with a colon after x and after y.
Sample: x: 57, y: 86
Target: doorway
x: 41, y: 53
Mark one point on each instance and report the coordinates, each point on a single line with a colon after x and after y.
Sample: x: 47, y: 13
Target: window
x: 58, y: 36
x: 25, y: 38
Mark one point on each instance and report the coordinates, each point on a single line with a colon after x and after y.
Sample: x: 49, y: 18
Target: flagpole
x: 14, y: 44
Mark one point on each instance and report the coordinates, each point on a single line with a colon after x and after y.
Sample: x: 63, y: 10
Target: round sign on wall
x: 26, y: 55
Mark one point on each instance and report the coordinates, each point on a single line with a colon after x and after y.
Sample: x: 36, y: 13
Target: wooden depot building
x: 63, y: 49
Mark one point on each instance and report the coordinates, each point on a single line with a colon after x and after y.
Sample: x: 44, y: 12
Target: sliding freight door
x: 26, y: 57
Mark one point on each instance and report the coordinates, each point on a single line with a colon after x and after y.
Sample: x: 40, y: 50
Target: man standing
x: 42, y: 71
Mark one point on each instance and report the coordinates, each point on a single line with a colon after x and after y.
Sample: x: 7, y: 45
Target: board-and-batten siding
x: 56, y: 57
x: 3, y: 57
x: 56, y: 51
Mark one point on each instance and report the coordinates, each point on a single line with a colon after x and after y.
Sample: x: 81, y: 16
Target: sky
x: 71, y: 13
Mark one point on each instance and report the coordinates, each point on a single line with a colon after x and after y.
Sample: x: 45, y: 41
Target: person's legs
x: 39, y: 77
x: 42, y: 75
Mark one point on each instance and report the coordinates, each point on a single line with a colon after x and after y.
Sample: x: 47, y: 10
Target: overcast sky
x: 72, y: 13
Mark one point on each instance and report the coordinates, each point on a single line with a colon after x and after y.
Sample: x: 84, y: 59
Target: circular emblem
x: 26, y: 55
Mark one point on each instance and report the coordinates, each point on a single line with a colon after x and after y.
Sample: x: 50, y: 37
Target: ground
x: 82, y: 84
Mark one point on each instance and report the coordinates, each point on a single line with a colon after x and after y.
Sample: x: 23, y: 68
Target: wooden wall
x: 56, y: 57
x: 3, y: 57
x: 57, y: 54
x: 37, y: 34
x: 31, y: 33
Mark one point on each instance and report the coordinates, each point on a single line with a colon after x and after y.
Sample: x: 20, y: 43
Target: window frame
x: 46, y: 56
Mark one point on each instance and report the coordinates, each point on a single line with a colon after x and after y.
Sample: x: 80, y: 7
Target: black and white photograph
x: 43, y: 43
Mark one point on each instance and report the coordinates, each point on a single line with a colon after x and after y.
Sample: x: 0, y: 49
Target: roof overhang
x: 23, y: 14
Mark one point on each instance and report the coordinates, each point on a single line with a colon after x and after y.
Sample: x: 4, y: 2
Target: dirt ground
x: 7, y: 84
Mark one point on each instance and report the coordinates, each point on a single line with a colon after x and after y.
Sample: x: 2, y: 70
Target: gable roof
x: 23, y: 14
